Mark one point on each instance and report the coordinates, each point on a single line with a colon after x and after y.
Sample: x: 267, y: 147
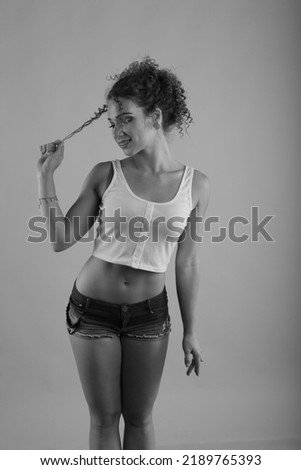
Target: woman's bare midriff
x: 116, y: 283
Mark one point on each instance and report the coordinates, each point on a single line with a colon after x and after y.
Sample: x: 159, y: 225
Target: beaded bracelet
x: 48, y: 200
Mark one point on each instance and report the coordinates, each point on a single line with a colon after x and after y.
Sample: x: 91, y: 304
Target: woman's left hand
x: 192, y: 353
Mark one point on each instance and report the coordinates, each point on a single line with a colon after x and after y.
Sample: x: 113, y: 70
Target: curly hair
x: 151, y: 87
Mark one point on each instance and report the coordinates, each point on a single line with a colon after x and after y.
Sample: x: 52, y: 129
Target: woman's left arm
x: 188, y: 271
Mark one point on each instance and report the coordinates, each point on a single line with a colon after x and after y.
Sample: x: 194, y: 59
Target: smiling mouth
x: 124, y: 143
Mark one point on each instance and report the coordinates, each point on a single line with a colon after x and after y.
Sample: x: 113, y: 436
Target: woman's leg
x: 142, y: 367
x: 99, y: 366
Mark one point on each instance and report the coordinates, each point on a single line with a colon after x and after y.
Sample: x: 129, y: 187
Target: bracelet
x: 48, y: 200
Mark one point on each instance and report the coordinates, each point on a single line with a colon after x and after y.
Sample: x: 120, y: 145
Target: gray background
x: 240, y: 64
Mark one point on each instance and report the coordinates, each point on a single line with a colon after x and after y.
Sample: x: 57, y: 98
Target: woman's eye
x: 121, y: 122
x: 125, y: 120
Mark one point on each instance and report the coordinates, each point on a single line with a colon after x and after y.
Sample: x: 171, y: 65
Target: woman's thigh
x: 99, y: 366
x: 142, y: 367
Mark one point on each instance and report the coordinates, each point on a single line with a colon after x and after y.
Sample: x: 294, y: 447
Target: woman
x: 117, y: 316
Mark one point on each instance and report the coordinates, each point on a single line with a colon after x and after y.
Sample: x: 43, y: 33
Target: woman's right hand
x: 51, y: 157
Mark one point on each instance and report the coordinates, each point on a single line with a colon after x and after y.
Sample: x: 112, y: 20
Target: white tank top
x: 135, y: 232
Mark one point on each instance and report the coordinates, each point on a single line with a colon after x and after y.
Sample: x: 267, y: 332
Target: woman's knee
x: 137, y: 418
x: 104, y: 419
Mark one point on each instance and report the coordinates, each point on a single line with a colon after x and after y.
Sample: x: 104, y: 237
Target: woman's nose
x: 118, y: 130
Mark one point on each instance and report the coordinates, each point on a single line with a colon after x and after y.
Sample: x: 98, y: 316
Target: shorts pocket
x: 160, y: 316
x: 74, y: 313
x: 159, y: 310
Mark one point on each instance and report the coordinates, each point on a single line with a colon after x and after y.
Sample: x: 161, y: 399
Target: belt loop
x: 149, y: 306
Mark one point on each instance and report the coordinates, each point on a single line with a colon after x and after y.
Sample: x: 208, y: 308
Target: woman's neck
x: 155, y: 159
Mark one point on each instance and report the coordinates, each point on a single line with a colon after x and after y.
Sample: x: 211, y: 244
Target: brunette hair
x: 151, y: 87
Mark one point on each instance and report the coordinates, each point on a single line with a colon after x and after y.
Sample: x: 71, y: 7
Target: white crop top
x: 136, y: 232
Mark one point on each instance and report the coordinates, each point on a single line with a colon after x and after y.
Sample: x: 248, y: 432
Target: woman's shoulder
x: 199, y: 178
x: 101, y: 175
x: 200, y: 187
x: 102, y: 166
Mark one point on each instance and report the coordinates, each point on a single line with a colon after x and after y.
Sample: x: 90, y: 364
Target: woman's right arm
x: 64, y: 231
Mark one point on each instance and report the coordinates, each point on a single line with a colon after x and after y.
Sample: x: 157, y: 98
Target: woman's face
x: 132, y: 129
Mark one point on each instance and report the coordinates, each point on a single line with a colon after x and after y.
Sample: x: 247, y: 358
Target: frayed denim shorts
x: 93, y: 318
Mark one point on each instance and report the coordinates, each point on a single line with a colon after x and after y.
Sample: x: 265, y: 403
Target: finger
x: 197, y: 367
x: 43, y: 148
x: 50, y: 148
x: 190, y: 368
x: 59, y: 144
x: 187, y: 359
x: 197, y: 361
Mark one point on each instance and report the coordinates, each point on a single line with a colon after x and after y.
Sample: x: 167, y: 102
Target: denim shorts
x: 93, y: 318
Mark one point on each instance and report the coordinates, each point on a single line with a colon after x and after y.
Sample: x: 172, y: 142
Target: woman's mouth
x: 124, y: 143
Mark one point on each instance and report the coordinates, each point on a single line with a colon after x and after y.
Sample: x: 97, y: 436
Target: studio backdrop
x: 239, y: 63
